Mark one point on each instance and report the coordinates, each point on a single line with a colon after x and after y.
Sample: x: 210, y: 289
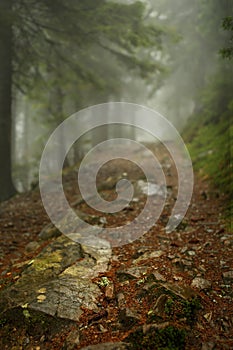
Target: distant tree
x: 6, y: 185
x: 36, y: 35
x: 194, y: 59
x: 227, y: 25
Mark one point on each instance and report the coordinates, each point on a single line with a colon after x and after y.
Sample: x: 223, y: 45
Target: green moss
x: 3, y: 321
x: 174, y: 309
x: 169, y: 338
x: 30, y: 322
x: 190, y: 309
x: 209, y: 133
x: 51, y: 260
x: 211, y: 151
x: 169, y: 306
x: 209, y: 138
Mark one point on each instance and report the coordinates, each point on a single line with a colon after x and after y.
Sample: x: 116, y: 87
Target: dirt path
x: 183, y: 279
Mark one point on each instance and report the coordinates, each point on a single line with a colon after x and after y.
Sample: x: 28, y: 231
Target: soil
x: 202, y: 246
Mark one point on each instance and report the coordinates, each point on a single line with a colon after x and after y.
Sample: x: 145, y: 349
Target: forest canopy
x: 57, y: 48
x: 57, y: 57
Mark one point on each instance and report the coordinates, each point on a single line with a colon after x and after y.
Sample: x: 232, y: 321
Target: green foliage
x: 68, y: 55
x: 104, y: 282
x: 3, y: 321
x: 211, y: 151
x: 209, y: 134
x: 48, y: 35
x: 190, y: 309
x: 75, y: 54
x: 168, y: 309
x: 227, y: 25
x: 169, y: 338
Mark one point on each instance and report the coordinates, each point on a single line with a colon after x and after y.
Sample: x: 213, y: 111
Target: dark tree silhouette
x: 6, y: 185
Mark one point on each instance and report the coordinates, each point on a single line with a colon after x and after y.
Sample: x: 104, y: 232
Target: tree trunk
x: 6, y: 185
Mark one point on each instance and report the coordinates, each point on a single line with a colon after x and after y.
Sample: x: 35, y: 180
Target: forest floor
x: 172, y: 283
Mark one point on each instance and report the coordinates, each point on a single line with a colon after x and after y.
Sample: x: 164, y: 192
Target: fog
x: 185, y: 57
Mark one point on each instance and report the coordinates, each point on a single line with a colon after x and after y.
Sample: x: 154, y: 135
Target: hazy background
x: 176, y: 68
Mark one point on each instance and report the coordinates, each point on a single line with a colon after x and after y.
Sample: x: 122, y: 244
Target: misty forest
x: 151, y: 267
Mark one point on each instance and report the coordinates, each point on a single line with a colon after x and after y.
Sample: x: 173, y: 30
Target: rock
x: 100, y: 253
x: 59, y: 280
x: 32, y: 246
x: 131, y: 273
x: 42, y: 338
x: 226, y: 238
x: 182, y: 264
x: 151, y: 189
x: 191, y: 252
x: 120, y: 300
x: 156, y: 276
x: 103, y: 220
x: 160, y: 305
x: 72, y: 340
x: 149, y: 255
x: 48, y: 232
x: 226, y: 324
x: 107, y: 346
x: 109, y: 291
x: 102, y: 328
x: 66, y: 296
x: 177, y: 278
x: 157, y: 336
x: 128, y: 318
x: 228, y: 275
x: 208, y: 316
x: 208, y: 346
x: 184, y: 292
x: 146, y: 327
x: 201, y: 283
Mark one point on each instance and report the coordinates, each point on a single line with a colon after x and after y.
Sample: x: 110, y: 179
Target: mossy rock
x: 168, y: 338
x: 175, y: 309
x: 28, y: 323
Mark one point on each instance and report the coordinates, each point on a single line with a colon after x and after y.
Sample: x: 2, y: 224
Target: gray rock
x: 201, y: 283
x: 72, y: 340
x: 182, y: 264
x: 131, y: 273
x: 227, y: 240
x: 128, y: 318
x: 59, y: 280
x: 65, y: 296
x: 109, y: 291
x: 151, y: 189
x: 102, y: 328
x: 184, y: 292
x: 191, y: 252
x: 48, y: 232
x: 120, y: 300
x: 159, y: 307
x: 107, y: 346
x: 208, y: 316
x: 228, y: 275
x: 208, y: 346
x: 156, y: 276
x: 149, y: 255
x: 146, y: 327
x: 32, y: 246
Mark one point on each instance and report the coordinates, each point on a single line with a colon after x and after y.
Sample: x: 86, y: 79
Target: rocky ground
x: 162, y: 291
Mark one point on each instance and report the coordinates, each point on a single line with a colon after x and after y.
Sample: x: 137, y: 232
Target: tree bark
x: 6, y: 185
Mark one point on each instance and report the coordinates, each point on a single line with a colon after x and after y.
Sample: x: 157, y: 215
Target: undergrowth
x: 209, y: 134
x: 169, y: 338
